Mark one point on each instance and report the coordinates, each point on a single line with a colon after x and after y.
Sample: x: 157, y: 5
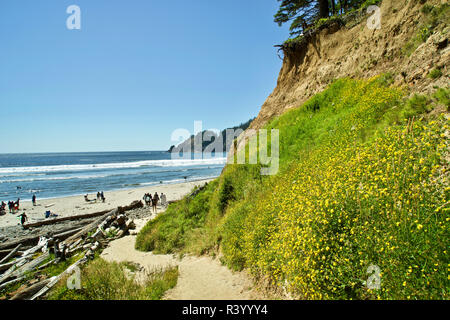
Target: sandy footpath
x: 70, y: 206
x: 200, y: 278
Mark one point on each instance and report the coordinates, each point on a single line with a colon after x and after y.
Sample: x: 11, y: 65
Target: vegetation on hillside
x: 363, y: 181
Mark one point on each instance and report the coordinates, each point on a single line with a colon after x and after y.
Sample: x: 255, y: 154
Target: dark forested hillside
x: 210, y: 137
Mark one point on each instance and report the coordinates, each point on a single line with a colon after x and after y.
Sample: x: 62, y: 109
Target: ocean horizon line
x: 80, y: 152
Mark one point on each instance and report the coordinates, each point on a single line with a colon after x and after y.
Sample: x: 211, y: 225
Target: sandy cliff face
x: 356, y: 51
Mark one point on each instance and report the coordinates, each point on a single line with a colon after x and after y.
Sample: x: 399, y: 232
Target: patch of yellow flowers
x: 349, y: 204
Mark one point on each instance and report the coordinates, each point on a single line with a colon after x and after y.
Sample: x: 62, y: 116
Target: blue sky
x: 136, y: 71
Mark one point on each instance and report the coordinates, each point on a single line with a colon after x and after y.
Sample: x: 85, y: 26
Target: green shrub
x: 435, y: 73
x: 418, y: 104
x: 425, y: 33
x: 226, y: 193
x: 427, y: 8
x: 443, y: 96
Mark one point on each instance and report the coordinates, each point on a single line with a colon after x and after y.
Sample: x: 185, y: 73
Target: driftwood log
x: 94, y: 225
x: 6, y: 284
x: 73, y: 240
x: 134, y: 205
x: 30, y: 291
x: 16, y: 268
x: 11, y: 254
x: 8, y: 265
x: 30, y: 265
x: 5, y: 252
x: 32, y: 240
x: 54, y: 280
x: 71, y: 218
x: 29, y: 240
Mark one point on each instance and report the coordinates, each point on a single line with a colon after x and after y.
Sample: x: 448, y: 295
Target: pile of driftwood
x: 31, y: 254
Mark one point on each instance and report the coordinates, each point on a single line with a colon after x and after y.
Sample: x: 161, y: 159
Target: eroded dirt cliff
x: 354, y: 50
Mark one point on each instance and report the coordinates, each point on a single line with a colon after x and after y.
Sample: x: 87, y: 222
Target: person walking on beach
x: 150, y: 204
x: 155, y: 201
x: 163, y: 200
x: 23, y: 219
x: 148, y: 199
x: 33, y: 199
x: 10, y: 206
x: 98, y: 196
x: 102, y: 196
x: 3, y: 208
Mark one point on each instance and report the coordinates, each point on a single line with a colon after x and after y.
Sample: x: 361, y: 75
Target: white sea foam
x: 123, y: 165
x: 55, y: 178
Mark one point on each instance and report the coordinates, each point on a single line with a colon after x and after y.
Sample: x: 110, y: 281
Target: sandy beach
x: 75, y: 205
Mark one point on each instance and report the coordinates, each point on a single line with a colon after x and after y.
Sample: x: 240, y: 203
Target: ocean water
x: 50, y: 175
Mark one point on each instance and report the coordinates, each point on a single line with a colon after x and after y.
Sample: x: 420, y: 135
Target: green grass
x: 101, y: 280
x: 443, y: 96
x: 361, y: 181
x: 56, y: 269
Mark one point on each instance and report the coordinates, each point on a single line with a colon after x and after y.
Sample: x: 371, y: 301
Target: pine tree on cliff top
x: 303, y: 13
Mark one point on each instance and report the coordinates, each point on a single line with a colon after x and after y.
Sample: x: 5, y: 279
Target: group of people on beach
x: 148, y: 198
x: 13, y: 206
x: 100, y: 196
x: 153, y: 201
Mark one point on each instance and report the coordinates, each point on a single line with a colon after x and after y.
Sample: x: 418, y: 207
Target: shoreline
x: 75, y: 205
x: 167, y: 183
